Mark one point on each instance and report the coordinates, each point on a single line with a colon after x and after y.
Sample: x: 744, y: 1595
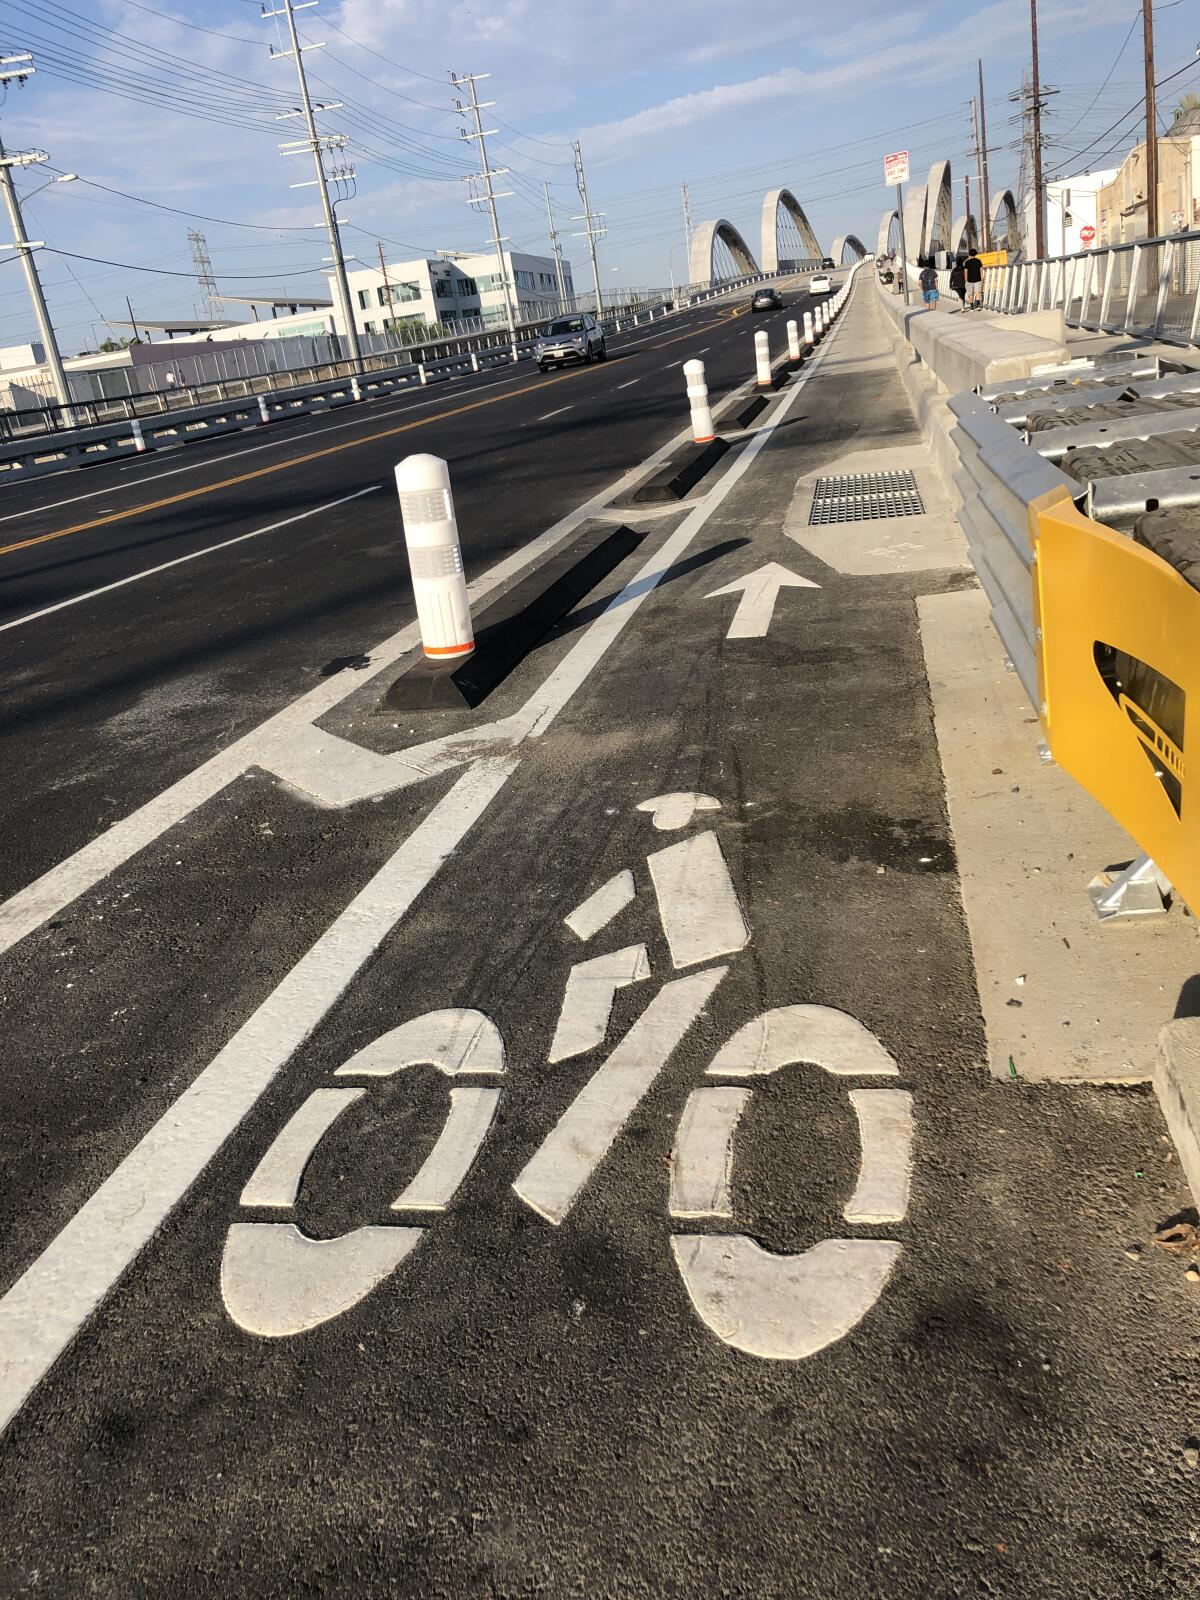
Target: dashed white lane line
x: 630, y: 384
x: 546, y: 415
x: 290, y: 436
x: 678, y: 363
x: 194, y: 555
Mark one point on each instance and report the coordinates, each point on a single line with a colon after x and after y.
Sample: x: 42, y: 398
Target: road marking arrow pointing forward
x: 761, y: 588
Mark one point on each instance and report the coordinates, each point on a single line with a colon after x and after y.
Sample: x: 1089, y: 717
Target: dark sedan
x: 766, y: 300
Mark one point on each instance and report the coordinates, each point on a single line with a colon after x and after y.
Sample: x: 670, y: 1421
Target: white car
x: 820, y: 283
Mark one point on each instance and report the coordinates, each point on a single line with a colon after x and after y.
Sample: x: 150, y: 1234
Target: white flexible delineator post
x: 703, y: 429
x: 762, y: 358
x: 810, y: 336
x: 793, y: 333
x: 435, y: 558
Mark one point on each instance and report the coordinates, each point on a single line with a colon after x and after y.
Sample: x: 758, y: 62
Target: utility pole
x: 557, y: 253
x: 317, y: 144
x: 984, y: 187
x: 489, y: 195
x: 20, y: 67
x: 137, y: 338
x: 1151, y: 123
x: 204, y: 271
x: 387, y: 288
x: 688, y: 227
x: 593, y: 226
x: 1039, y: 221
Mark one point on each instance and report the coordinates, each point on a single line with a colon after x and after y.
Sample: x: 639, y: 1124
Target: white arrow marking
x: 760, y: 590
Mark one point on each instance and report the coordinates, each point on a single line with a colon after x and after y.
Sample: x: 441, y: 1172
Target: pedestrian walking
x: 958, y: 283
x: 974, y: 275
x: 929, y: 284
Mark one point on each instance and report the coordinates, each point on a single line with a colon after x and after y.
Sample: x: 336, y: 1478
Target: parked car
x: 766, y: 300
x: 820, y: 283
x: 576, y: 338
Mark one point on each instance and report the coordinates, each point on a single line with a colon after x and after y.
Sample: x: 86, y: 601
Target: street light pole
x: 20, y: 67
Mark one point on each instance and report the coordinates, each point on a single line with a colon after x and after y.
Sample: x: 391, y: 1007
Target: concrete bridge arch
x: 777, y: 203
x: 707, y: 241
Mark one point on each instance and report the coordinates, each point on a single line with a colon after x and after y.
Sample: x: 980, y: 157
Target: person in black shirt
x: 974, y: 276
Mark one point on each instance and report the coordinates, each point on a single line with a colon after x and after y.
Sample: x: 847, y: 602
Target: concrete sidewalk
x: 1064, y: 996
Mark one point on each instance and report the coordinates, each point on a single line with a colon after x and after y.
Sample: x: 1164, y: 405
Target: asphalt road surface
x: 540, y: 1150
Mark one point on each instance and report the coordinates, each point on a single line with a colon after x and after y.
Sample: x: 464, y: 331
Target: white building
x: 532, y: 280
x: 1071, y: 205
x: 443, y: 291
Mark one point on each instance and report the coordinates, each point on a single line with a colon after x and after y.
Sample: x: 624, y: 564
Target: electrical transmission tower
x: 204, y: 272
x: 487, y: 194
x: 688, y: 225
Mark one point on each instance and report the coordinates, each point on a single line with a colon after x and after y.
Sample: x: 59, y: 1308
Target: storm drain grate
x: 865, y: 496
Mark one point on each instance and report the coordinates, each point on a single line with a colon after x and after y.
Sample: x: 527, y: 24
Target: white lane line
x: 630, y: 384
x: 704, y: 348
x: 164, y: 566
x: 546, y: 415
x: 44, y: 1309
x: 49, y: 894
x: 320, y: 425
x: 671, y: 364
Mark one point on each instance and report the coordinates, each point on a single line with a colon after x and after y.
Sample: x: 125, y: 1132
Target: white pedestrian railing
x: 1150, y: 287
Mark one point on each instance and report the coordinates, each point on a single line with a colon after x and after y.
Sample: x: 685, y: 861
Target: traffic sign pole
x: 895, y: 170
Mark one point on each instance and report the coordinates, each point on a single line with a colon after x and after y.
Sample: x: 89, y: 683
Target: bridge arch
x: 712, y: 243
x: 846, y: 249
x: 1006, y: 229
x: 888, y: 242
x: 779, y: 203
x: 964, y: 235
x: 928, y: 223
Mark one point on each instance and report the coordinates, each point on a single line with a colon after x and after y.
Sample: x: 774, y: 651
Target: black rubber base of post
x: 510, y: 627
x: 751, y: 410
x: 682, y: 473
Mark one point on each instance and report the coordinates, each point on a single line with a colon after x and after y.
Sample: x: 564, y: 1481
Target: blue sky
x: 733, y: 100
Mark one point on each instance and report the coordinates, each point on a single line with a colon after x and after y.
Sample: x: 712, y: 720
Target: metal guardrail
x: 1149, y: 287
x: 1100, y: 629
x: 55, y: 438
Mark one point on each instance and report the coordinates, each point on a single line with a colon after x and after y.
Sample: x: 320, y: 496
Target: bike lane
x: 727, y: 850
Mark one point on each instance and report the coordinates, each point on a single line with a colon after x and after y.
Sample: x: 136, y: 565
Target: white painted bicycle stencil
x: 278, y: 1281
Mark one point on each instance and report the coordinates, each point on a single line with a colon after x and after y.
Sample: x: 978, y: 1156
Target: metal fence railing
x: 1149, y: 287
x: 280, y: 367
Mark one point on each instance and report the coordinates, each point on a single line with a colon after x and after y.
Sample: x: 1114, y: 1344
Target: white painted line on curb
x: 44, y: 1309
x: 194, y: 555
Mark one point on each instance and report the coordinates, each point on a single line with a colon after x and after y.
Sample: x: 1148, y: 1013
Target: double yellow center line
x: 316, y: 455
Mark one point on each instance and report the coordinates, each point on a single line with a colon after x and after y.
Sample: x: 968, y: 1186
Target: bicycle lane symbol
x: 277, y: 1281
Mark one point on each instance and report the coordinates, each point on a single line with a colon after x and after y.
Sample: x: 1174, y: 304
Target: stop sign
x: 1087, y: 234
